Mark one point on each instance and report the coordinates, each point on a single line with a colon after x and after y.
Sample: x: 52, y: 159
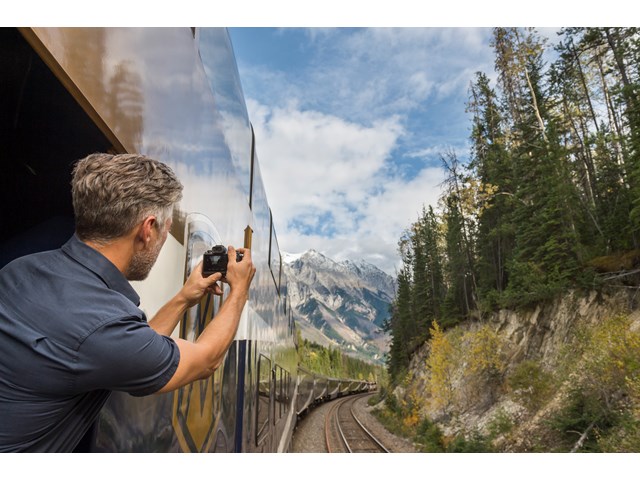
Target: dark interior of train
x: 43, y: 131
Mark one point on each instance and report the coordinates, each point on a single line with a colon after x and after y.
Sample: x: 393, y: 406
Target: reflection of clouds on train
x: 218, y: 60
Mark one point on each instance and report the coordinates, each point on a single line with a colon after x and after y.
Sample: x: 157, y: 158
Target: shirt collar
x: 101, y: 266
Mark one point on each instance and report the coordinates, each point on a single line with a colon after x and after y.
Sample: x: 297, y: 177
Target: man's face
x: 143, y: 261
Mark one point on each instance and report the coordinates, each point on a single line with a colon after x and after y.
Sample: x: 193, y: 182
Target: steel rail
x: 365, y: 430
x: 334, y: 413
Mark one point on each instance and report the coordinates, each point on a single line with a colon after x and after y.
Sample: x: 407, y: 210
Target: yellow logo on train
x: 196, y: 407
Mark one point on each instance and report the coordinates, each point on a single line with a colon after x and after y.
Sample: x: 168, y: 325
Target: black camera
x: 216, y: 260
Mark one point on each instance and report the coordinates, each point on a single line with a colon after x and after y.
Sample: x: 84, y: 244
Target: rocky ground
x: 309, y: 434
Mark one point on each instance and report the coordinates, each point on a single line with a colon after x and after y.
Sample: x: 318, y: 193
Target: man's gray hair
x: 113, y: 193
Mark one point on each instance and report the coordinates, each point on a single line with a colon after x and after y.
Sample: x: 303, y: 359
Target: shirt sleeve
x: 126, y: 355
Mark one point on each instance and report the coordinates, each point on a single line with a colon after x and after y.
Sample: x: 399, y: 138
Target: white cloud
x: 328, y: 184
x: 349, y: 141
x: 319, y: 160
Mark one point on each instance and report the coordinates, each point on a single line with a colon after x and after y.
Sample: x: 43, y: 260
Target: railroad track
x: 344, y: 433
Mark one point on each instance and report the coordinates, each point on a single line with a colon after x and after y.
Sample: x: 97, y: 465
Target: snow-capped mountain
x: 340, y: 303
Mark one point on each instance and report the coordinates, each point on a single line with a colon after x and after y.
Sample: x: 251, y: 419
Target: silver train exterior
x: 173, y: 94
x: 314, y: 389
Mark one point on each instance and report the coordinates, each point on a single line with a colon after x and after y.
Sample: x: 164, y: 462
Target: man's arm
x: 196, y: 286
x: 199, y: 359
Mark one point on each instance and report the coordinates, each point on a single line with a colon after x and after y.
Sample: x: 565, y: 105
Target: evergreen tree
x: 545, y: 251
x: 400, y: 323
x: 491, y: 165
x: 428, y: 280
x: 459, y: 202
x: 593, y: 142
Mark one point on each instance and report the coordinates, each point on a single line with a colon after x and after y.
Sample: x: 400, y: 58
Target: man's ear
x: 146, y: 228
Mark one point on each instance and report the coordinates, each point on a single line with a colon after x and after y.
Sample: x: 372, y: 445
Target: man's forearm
x: 220, y: 332
x: 200, y: 359
x: 165, y: 321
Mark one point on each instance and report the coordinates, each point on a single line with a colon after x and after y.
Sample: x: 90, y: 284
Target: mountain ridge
x: 340, y: 304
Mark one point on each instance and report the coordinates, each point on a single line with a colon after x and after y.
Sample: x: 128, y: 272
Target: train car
x: 346, y: 387
x: 173, y: 94
x: 333, y: 388
x: 305, y: 395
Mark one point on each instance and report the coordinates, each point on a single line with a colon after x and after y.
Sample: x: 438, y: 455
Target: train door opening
x: 43, y: 132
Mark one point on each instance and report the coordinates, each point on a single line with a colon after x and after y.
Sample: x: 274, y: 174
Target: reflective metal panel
x: 222, y: 72
x: 167, y: 94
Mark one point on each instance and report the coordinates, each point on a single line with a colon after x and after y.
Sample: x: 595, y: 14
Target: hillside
x: 560, y: 377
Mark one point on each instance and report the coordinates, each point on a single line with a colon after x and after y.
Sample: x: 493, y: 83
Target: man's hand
x: 239, y: 274
x: 189, y: 295
x: 198, y: 286
x: 239, y: 277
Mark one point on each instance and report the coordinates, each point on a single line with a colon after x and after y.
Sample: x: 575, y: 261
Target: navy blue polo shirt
x: 70, y: 333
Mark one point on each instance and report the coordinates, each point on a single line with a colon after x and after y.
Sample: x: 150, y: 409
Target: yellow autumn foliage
x: 612, y: 359
x: 484, y: 355
x: 441, y: 364
x: 463, y: 368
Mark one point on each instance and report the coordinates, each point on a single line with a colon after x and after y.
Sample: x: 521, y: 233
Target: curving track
x: 344, y: 433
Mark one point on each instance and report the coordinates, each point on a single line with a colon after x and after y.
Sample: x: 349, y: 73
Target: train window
x: 287, y: 386
x: 261, y: 215
x: 201, y: 235
x: 279, y: 390
x: 282, y: 390
x: 264, y: 398
x: 275, y: 260
x: 253, y: 162
x: 284, y: 292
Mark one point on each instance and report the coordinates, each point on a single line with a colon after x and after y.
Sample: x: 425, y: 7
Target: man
x: 70, y: 327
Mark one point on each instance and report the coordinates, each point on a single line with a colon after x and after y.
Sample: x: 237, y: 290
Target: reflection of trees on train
x: 264, y: 395
x: 85, y: 51
x: 119, y: 86
x: 125, y: 102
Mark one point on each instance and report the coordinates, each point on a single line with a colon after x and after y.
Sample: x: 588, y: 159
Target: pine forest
x: 547, y: 203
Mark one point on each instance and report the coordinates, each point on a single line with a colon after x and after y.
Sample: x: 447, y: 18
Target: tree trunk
x: 583, y: 437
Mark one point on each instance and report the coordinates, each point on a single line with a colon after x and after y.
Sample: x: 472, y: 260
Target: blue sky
x: 350, y: 122
x: 350, y: 125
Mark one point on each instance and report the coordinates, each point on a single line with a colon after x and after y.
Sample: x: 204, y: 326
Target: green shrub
x: 429, y: 437
x: 581, y: 414
x: 500, y: 424
x: 602, y: 402
x: 476, y: 443
x: 530, y: 384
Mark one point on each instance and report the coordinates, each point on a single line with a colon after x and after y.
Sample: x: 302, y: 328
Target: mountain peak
x: 290, y: 257
x: 339, y: 303
x: 309, y: 254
